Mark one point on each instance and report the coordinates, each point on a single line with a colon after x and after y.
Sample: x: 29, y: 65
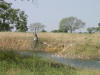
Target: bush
x: 43, y: 30
x: 58, y: 31
x: 55, y: 31
x: 9, y: 56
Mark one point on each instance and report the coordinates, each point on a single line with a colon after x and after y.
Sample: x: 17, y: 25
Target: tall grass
x: 18, y: 41
x: 12, y: 63
x: 82, y: 46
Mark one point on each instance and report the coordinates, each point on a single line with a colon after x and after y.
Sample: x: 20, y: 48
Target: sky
x: 51, y: 12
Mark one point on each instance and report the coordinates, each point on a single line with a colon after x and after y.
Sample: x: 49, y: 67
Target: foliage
x: 4, y: 8
x: 57, y: 31
x: 21, y: 24
x: 10, y: 56
x: 43, y: 30
x: 10, y: 18
x: 70, y: 24
x: 36, y: 27
x: 98, y: 28
x: 92, y: 30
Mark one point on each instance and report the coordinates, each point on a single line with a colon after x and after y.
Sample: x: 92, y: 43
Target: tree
x: 91, y: 29
x: 10, y: 18
x: 98, y: 28
x: 70, y: 24
x: 36, y: 27
x: 4, y: 18
x: 21, y: 24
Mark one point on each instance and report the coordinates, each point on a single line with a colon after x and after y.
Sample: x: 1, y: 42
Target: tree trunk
x: 3, y: 25
x: 71, y: 30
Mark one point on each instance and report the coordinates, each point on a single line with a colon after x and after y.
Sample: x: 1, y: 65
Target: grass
x: 88, y: 72
x: 76, y: 46
x: 12, y: 63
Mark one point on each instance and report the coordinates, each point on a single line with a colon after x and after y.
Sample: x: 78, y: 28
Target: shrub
x: 9, y: 56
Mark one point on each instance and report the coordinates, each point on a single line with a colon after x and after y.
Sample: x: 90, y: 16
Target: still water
x: 77, y: 63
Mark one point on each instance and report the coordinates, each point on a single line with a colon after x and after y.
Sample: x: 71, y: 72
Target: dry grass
x: 16, y: 41
x: 76, y: 45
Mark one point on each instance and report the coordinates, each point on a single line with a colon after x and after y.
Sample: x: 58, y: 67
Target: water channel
x: 77, y: 63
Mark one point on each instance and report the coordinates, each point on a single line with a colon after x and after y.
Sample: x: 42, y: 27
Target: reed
x: 82, y: 46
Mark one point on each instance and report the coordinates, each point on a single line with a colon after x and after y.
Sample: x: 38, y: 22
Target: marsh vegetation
x: 75, y: 46
x: 12, y: 63
x: 79, y: 46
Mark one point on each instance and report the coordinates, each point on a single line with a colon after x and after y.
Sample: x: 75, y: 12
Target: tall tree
x: 70, y: 24
x: 36, y: 27
x: 21, y: 24
x: 10, y: 18
x: 4, y: 15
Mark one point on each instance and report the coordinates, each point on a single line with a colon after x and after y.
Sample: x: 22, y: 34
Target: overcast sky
x: 50, y: 12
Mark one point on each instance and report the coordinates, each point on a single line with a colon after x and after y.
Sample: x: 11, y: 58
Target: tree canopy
x: 70, y: 24
x: 12, y: 18
x: 36, y: 27
x: 92, y: 29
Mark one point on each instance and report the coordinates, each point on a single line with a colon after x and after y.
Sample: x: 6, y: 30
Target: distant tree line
x: 71, y: 24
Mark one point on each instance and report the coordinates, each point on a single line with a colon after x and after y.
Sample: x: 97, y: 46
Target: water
x: 77, y: 63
